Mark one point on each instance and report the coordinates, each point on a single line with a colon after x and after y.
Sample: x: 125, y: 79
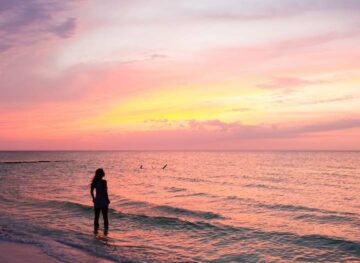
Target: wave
x: 322, y: 249
x: 289, y: 207
x: 199, y: 180
x: 211, y: 232
x: 263, y: 186
x: 242, y: 257
x: 328, y: 219
x: 342, y: 167
x: 309, y: 213
x: 186, y: 212
x: 66, y: 204
x: 174, y: 189
x: 169, y: 209
x: 218, y: 230
x: 179, y: 223
x: 93, y: 251
x: 62, y: 245
x: 132, y: 203
x: 329, y: 243
x: 294, y: 208
x: 161, y: 220
x: 272, y: 179
x: 339, y: 176
x: 194, y: 194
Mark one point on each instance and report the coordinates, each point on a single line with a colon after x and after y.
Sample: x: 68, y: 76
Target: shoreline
x: 18, y: 253
x: 13, y: 252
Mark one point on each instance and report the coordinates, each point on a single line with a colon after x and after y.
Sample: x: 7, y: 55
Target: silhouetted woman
x: 101, y: 200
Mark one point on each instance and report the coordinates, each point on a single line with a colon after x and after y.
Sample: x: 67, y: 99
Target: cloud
x: 156, y: 56
x: 315, y: 40
x: 294, y: 54
x: 257, y: 10
x: 25, y: 22
x: 288, y: 82
x: 237, y: 130
x: 66, y: 29
x: 332, y: 100
x: 215, y: 134
x: 156, y: 121
x: 336, y: 125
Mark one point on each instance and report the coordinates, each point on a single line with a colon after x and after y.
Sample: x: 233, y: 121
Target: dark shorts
x: 100, y: 203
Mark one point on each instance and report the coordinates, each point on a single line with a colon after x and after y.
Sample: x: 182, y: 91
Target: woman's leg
x: 96, y: 219
x: 105, y: 216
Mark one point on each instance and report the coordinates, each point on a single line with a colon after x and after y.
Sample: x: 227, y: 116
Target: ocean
x: 203, y: 207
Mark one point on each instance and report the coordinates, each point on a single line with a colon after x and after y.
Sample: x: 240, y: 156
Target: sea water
x: 203, y: 207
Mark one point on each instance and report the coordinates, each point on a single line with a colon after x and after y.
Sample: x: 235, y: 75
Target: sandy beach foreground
x: 18, y: 253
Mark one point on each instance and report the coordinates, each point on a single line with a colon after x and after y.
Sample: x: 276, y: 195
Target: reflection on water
x: 202, y: 207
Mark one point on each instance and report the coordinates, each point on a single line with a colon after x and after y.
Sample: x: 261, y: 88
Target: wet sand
x: 18, y: 253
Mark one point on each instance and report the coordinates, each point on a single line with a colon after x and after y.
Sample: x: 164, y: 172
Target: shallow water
x: 204, y: 207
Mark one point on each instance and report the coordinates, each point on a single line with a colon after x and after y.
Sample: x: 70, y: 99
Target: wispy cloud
x: 25, y: 22
x: 316, y: 40
x: 288, y: 82
x: 66, y: 29
x: 248, y: 10
x: 332, y: 100
x: 240, y: 131
x: 177, y: 73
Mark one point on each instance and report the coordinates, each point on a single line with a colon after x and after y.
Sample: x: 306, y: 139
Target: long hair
x: 99, y: 173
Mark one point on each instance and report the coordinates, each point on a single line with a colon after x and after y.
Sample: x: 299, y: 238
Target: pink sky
x: 180, y: 75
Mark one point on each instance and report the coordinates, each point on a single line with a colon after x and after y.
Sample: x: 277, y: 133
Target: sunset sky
x: 181, y: 74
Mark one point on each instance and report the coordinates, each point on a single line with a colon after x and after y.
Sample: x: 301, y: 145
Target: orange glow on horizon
x: 92, y: 80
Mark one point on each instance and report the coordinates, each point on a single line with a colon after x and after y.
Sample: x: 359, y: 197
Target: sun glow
x: 200, y: 71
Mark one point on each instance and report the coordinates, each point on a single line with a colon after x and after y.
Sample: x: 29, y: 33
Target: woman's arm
x: 92, y: 193
x: 106, y: 192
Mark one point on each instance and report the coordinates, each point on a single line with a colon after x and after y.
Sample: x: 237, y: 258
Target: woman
x: 101, y: 200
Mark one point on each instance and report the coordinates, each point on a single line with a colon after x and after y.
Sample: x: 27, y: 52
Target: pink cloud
x: 221, y: 136
x: 271, y: 10
x: 21, y: 74
x: 26, y: 22
x: 241, y: 131
x: 43, y: 102
x: 212, y: 134
x: 288, y: 82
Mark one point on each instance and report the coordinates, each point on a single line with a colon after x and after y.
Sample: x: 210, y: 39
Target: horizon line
x: 182, y: 150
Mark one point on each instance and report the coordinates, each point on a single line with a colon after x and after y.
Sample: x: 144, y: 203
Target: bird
x: 141, y: 166
x: 164, y: 166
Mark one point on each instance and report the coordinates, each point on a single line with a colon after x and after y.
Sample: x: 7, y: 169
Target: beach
x: 11, y: 252
x: 19, y: 253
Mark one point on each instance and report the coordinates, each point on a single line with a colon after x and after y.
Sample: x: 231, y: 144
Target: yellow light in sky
x: 225, y: 102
